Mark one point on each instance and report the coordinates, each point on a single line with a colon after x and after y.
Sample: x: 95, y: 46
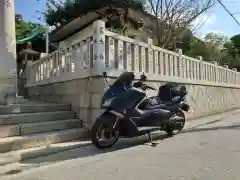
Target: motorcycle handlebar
x: 139, y: 84
x: 149, y: 87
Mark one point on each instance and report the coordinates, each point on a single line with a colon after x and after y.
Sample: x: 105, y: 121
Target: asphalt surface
x: 208, y: 152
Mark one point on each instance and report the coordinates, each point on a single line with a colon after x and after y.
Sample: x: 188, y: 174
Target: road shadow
x: 93, y: 151
x: 122, y: 144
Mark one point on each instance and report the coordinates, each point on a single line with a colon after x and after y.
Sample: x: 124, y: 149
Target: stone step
x: 10, y: 119
x: 43, y: 139
x: 33, y: 108
x: 39, y: 127
x: 36, y: 152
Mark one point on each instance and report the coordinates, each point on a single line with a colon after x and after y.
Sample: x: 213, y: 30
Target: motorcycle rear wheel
x: 103, y: 130
x: 170, y: 131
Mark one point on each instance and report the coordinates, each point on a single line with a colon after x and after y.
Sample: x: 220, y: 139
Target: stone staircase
x: 34, y: 129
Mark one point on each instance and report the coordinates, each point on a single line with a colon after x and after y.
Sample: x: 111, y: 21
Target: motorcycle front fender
x: 126, y: 126
x: 108, y: 119
x: 107, y: 116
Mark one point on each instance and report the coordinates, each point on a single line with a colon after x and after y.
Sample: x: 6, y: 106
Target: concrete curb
x: 31, y: 153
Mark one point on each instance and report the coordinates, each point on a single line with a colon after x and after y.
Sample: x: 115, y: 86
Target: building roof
x: 38, y: 33
x: 81, y: 22
x: 37, y: 38
x: 76, y: 25
x: 28, y: 51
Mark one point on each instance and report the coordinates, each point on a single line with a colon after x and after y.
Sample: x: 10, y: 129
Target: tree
x: 196, y: 47
x: 172, y: 17
x: 24, y: 29
x: 232, y: 48
x: 215, y: 45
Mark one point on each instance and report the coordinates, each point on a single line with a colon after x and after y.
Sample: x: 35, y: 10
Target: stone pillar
x: 98, y: 47
x: 8, y: 84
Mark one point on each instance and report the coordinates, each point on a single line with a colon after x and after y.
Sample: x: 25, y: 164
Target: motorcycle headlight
x: 108, y: 102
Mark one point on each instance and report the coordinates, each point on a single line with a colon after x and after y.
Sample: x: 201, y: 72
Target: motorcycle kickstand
x: 154, y: 144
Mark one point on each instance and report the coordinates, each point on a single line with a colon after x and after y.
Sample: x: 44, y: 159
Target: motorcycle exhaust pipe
x: 177, y: 118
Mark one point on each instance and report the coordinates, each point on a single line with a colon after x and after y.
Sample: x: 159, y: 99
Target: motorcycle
x: 130, y: 113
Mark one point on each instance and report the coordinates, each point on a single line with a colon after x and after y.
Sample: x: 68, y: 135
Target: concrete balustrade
x: 98, y: 49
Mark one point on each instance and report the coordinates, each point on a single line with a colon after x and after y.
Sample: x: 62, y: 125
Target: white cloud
x: 205, y: 19
x: 202, y: 34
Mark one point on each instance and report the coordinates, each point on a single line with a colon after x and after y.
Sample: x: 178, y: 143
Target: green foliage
x: 209, y: 48
x: 215, y: 47
x: 234, y: 46
x: 236, y: 41
x: 233, y: 50
x: 215, y: 43
x: 24, y: 29
x: 196, y: 47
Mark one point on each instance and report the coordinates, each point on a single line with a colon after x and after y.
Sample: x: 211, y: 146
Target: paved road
x: 209, y: 152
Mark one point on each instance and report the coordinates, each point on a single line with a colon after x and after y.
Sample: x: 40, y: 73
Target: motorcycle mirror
x: 105, y: 74
x: 143, y: 77
x: 105, y: 78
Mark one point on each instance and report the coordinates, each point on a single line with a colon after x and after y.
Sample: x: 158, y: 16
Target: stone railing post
x: 235, y: 75
x: 180, y: 63
x: 29, y: 72
x: 98, y: 47
x: 215, y: 71
x: 150, y: 56
x: 225, y: 79
x: 201, y: 68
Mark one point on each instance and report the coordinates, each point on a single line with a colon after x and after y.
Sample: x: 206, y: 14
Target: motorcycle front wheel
x: 103, y: 135
x: 171, y: 131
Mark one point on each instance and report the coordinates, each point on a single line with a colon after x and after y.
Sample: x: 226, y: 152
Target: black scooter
x: 128, y: 113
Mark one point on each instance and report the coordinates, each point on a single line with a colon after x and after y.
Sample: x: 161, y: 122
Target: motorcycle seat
x: 156, y: 103
x: 172, y: 107
x: 162, y: 112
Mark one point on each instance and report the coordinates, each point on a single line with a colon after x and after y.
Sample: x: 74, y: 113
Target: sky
x: 216, y: 19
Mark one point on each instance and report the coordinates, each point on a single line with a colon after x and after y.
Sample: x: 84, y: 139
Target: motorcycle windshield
x: 113, y: 91
x: 119, y: 86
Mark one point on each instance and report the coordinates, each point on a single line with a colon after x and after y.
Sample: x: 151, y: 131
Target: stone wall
x: 85, y: 95
x: 205, y: 99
